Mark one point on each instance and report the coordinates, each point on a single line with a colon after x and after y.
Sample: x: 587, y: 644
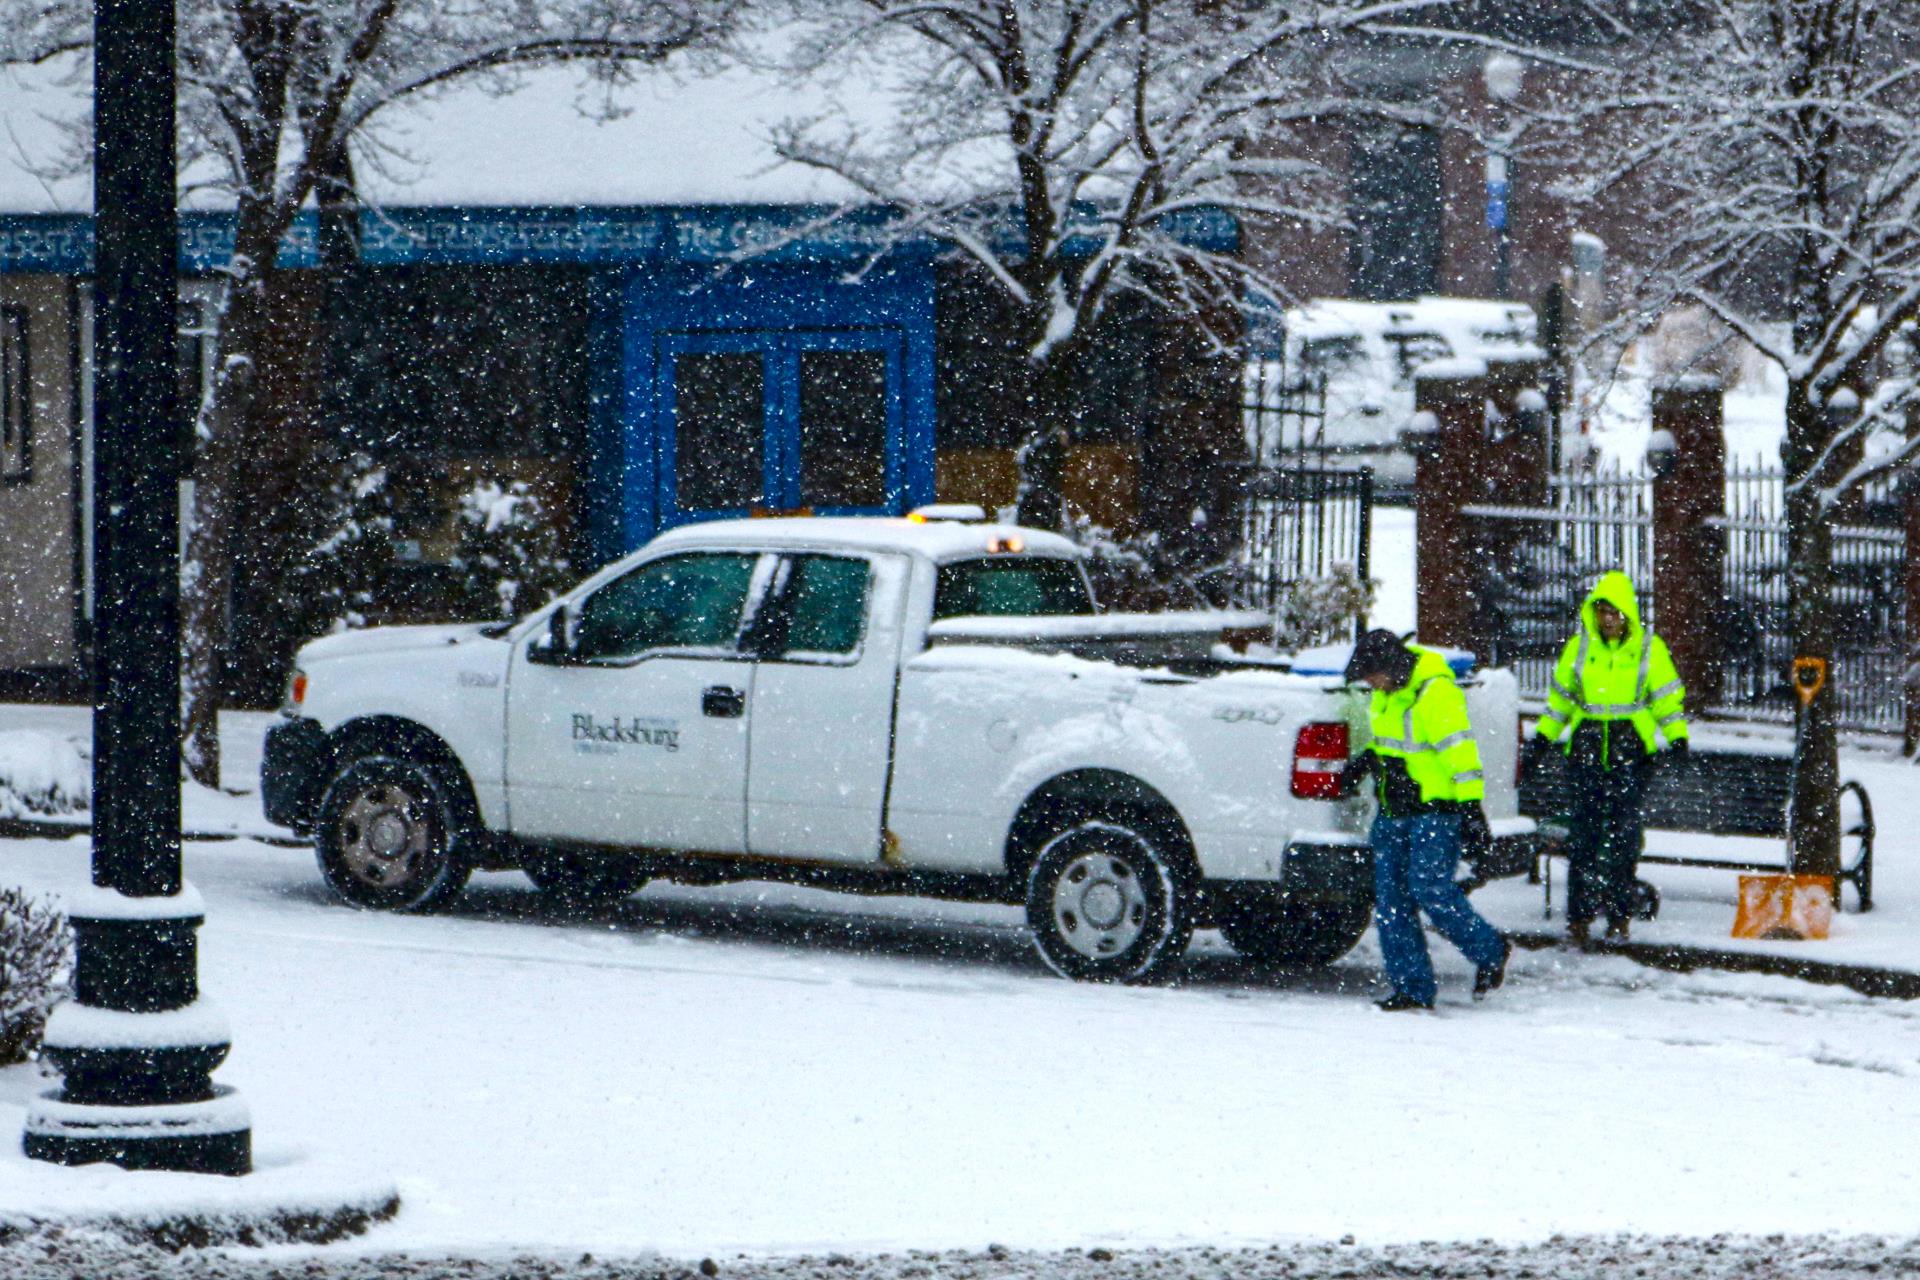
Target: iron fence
x: 1284, y: 415
x: 1534, y: 566
x: 1867, y: 593
x: 1302, y: 523
x: 1302, y: 516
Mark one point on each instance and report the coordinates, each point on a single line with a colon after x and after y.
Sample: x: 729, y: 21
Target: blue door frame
x: 642, y: 317
x: 780, y: 352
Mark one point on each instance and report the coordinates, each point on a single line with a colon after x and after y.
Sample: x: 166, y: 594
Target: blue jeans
x: 1413, y: 865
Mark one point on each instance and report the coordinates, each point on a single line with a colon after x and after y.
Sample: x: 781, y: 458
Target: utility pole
x: 136, y: 1047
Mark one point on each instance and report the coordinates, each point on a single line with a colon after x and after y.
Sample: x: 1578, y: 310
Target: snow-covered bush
x: 1137, y: 574
x: 36, y: 950
x: 42, y: 775
x: 509, y: 556
x: 349, y: 530
x: 1316, y: 611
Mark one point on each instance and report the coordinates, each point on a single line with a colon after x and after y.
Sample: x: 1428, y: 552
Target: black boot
x: 1489, y: 976
x: 1397, y: 1003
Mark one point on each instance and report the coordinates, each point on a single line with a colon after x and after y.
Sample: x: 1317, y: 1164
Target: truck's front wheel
x: 385, y: 835
x: 1106, y: 904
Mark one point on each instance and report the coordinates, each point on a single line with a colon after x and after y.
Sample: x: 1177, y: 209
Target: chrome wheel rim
x: 1099, y: 905
x: 384, y: 831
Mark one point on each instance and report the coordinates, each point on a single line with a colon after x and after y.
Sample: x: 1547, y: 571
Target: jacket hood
x: 1616, y: 589
x: 1428, y: 664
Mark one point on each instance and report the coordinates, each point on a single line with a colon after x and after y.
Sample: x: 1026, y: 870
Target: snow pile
x: 42, y: 775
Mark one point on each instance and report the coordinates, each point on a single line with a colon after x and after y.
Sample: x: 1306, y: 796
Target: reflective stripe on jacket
x: 1424, y: 725
x: 1634, y: 680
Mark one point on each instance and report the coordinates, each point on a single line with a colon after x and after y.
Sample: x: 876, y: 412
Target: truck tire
x: 385, y: 833
x: 1275, y: 931
x: 583, y: 884
x: 1106, y: 904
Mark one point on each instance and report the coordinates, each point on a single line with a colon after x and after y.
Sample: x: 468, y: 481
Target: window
x: 843, y: 428
x: 1011, y: 588
x: 1334, y: 356
x: 1412, y: 349
x: 719, y: 430
x: 1394, y: 209
x: 16, y: 438
x: 449, y: 362
x: 686, y: 602
x: 826, y: 605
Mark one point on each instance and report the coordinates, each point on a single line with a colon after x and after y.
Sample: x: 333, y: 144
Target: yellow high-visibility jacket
x: 1633, y: 680
x: 1424, y: 725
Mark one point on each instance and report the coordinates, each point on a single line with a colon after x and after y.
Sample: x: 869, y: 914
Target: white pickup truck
x: 881, y: 705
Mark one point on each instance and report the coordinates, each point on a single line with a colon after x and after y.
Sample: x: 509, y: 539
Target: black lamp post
x: 136, y: 1048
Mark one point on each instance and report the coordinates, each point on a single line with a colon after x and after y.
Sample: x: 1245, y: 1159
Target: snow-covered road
x: 772, y: 1070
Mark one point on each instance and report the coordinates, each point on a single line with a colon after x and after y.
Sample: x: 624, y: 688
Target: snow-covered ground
x: 758, y: 1069
x: 776, y: 1071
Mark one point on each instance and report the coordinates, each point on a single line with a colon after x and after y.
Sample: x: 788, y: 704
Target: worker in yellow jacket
x: 1614, y: 701
x: 1429, y: 784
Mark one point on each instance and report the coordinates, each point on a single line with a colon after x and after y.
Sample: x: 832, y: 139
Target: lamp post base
x: 136, y: 1047
x: 214, y: 1136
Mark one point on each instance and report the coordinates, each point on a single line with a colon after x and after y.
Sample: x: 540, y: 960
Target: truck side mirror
x: 556, y: 647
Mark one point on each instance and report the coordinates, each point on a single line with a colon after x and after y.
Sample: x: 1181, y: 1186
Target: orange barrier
x: 1792, y: 907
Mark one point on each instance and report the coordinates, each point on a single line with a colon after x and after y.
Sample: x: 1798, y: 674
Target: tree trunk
x: 208, y: 576
x: 1042, y: 458
x: 1814, y: 816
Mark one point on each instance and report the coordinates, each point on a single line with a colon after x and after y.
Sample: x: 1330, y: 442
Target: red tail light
x: 1319, y: 753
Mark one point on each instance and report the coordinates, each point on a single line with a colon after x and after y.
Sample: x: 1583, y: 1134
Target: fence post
x: 1448, y: 437
x: 1689, y: 467
x: 1518, y: 471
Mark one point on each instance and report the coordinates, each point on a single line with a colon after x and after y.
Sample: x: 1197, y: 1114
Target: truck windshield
x: 1010, y: 587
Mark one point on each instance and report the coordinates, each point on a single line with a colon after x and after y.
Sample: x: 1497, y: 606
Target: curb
x: 41, y: 829
x: 175, y: 1232
x: 1868, y: 980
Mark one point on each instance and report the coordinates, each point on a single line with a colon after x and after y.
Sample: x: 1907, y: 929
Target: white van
x: 1365, y: 355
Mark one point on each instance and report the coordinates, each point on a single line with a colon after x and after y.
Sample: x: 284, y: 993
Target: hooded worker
x: 1615, y: 700
x: 1429, y: 785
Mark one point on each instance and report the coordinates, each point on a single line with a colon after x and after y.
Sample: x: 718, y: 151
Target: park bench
x: 1711, y: 792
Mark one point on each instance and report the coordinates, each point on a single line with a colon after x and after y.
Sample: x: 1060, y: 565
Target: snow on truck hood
x: 353, y: 644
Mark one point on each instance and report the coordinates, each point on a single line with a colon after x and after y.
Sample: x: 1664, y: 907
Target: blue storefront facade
x: 739, y: 358
x: 642, y: 366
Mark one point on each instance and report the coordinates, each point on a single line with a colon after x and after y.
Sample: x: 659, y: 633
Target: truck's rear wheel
x: 1278, y: 932
x: 578, y: 883
x: 385, y: 833
x: 1107, y: 904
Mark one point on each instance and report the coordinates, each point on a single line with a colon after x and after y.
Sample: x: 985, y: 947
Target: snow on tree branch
x: 1774, y: 155
x: 1058, y: 143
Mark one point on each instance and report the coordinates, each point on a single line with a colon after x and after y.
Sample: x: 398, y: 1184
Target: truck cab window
x: 826, y: 604
x: 686, y: 602
x: 1005, y: 587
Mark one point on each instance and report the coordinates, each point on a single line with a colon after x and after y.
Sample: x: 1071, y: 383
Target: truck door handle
x: 723, y: 703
